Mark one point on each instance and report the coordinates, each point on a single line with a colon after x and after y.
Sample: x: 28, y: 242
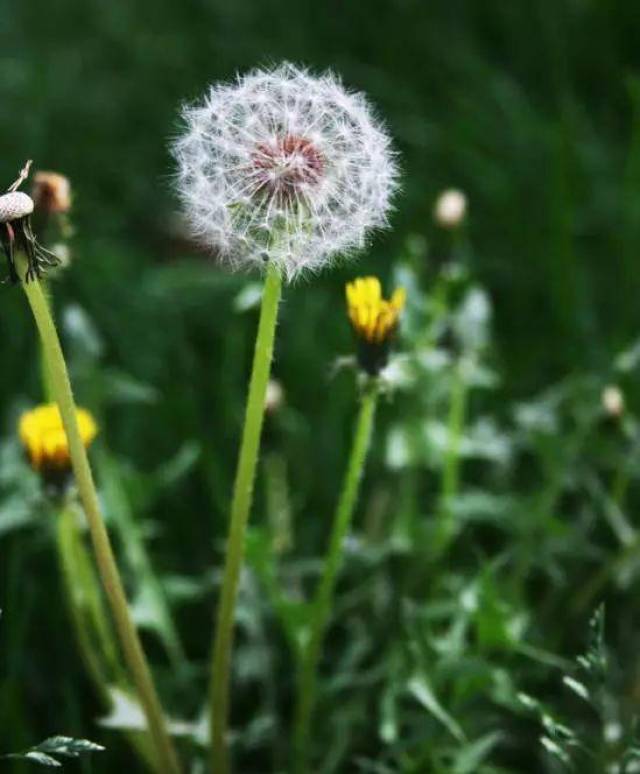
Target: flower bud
x: 274, y: 398
x: 51, y: 192
x: 613, y: 401
x: 450, y: 208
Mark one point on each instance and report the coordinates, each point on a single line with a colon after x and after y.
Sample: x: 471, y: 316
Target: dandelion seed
x: 284, y: 167
x: 45, y: 442
x: 374, y: 321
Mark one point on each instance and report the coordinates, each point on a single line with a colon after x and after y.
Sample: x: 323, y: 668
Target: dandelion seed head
x: 14, y: 206
x: 286, y: 167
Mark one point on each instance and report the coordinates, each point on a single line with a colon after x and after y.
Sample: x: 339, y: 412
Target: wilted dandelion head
x: 284, y: 166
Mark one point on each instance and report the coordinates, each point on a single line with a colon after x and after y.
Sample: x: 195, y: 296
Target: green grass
x: 534, y: 112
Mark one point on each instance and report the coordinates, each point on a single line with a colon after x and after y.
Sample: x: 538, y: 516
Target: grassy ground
x: 532, y: 111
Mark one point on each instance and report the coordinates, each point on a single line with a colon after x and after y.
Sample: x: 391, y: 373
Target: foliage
x: 61, y: 746
x: 498, y: 508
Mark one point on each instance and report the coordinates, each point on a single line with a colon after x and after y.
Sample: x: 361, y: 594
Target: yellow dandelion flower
x: 45, y: 441
x: 374, y: 320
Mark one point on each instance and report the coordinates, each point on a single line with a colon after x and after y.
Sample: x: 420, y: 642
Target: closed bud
x: 51, y: 192
x: 613, y: 401
x: 450, y: 209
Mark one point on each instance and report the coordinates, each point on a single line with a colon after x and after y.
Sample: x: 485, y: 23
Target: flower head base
x: 284, y: 167
x: 374, y: 321
x: 45, y: 441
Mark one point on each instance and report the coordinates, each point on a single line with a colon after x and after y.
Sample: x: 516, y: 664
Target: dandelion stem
x: 166, y: 758
x: 83, y: 600
x: 92, y: 626
x: 451, y: 469
x: 311, y: 650
x: 240, y: 507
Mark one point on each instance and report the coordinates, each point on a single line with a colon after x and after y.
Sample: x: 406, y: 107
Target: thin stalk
x: 45, y: 378
x: 91, y: 624
x: 240, y: 507
x: 135, y: 551
x: 310, y: 656
x: 166, y: 758
x: 451, y: 469
x: 84, y: 603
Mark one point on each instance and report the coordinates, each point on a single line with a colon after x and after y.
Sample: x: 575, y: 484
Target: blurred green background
x: 529, y: 108
x: 532, y: 109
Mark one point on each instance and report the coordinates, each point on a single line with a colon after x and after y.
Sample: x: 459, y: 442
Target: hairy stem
x: 96, y: 639
x: 166, y: 758
x: 240, y: 507
x: 310, y: 656
x: 84, y: 602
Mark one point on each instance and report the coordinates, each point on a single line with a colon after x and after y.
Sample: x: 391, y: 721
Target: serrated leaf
x: 59, y: 745
x: 65, y: 745
x: 38, y: 757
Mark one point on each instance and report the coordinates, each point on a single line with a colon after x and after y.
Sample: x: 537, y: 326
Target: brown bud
x: 51, y: 192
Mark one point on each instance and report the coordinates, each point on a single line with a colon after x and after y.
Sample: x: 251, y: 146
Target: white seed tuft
x: 15, y: 205
x: 286, y: 167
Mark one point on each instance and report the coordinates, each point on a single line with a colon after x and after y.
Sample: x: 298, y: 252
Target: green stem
x: 451, y: 469
x: 96, y: 639
x: 310, y: 656
x: 166, y: 758
x: 240, y: 507
x: 136, y: 554
x: 81, y: 591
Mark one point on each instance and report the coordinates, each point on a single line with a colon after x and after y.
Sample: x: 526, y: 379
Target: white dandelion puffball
x: 283, y: 166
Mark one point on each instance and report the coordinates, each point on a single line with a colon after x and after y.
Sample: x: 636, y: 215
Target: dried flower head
x: 374, y: 320
x: 450, y: 208
x: 45, y: 442
x: 16, y: 208
x: 283, y: 166
x: 51, y: 192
